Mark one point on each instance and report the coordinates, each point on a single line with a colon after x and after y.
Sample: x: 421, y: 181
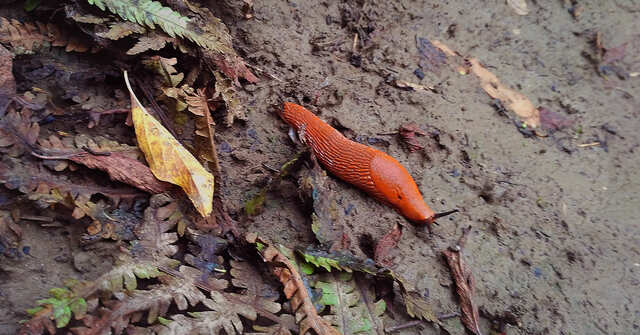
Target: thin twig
x: 592, y: 144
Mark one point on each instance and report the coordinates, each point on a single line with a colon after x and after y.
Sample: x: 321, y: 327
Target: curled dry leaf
x: 519, y: 6
x: 465, y: 284
x: 169, y: 160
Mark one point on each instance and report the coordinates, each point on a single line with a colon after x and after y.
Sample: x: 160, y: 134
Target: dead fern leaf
x: 154, y: 41
x: 18, y: 132
x: 205, y: 144
x: 294, y: 287
x: 121, y: 29
x: 27, y: 37
x: 226, y: 90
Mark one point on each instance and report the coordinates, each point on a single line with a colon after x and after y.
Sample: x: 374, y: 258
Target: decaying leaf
x: 7, y: 82
x: 226, y: 90
x: 155, y: 40
x: 119, y: 161
x: 408, y: 133
x: 519, y: 6
x: 512, y: 100
x: 415, y: 304
x: 465, y: 284
x: 169, y: 160
x: 121, y: 29
x: 149, y: 252
x: 351, y: 303
x: 231, y: 65
x: 254, y: 205
x: 205, y: 144
x: 294, y: 288
x: 10, y: 233
x: 431, y: 58
x: 18, y: 132
x: 26, y: 37
x: 551, y: 120
x: 327, y: 218
x: 387, y: 243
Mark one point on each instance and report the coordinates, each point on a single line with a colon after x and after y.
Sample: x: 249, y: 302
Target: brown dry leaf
x: 121, y: 29
x: 230, y: 64
x: 205, y: 128
x: 387, y: 243
x: 168, y: 159
x: 465, y: 284
x: 519, y: 6
x: 512, y: 100
x: 17, y: 132
x: 123, y: 168
x: 224, y: 87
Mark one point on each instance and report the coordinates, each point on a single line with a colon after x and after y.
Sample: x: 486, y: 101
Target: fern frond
x: 284, y: 267
x: 29, y: 37
x: 352, y: 305
x: 415, y: 304
x: 152, y: 13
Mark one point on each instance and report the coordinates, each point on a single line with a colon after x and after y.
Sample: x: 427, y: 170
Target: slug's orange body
x: 369, y: 169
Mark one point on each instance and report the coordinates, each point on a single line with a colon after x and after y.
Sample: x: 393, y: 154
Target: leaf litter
x: 170, y: 276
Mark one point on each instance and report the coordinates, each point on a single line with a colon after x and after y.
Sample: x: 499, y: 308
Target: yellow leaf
x: 168, y: 159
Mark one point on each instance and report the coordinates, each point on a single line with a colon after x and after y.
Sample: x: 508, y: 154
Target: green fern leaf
x: 152, y: 13
x: 351, y: 303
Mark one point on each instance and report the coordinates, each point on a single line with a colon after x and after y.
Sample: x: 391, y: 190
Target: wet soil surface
x: 555, y: 242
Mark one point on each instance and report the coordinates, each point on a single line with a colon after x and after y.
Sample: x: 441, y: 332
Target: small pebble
x: 419, y: 73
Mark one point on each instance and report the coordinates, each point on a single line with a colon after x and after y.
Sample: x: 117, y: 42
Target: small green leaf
x: 30, y: 5
x: 79, y: 307
x: 32, y: 311
x: 254, y: 205
x: 163, y: 321
x: 306, y: 268
x: 60, y: 293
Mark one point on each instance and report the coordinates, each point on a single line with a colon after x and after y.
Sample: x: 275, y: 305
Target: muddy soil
x: 555, y: 242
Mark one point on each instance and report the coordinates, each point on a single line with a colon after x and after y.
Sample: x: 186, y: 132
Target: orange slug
x: 371, y: 170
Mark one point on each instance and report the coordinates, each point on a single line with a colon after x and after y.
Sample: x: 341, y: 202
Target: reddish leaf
x: 408, y: 134
x: 552, y: 120
x: 232, y: 66
x: 125, y: 169
x: 387, y: 243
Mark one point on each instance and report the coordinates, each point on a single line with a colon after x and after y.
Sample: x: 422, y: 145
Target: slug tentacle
x: 369, y: 169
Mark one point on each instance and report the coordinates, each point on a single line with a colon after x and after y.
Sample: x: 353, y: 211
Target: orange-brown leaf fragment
x: 168, y: 159
x: 512, y: 100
